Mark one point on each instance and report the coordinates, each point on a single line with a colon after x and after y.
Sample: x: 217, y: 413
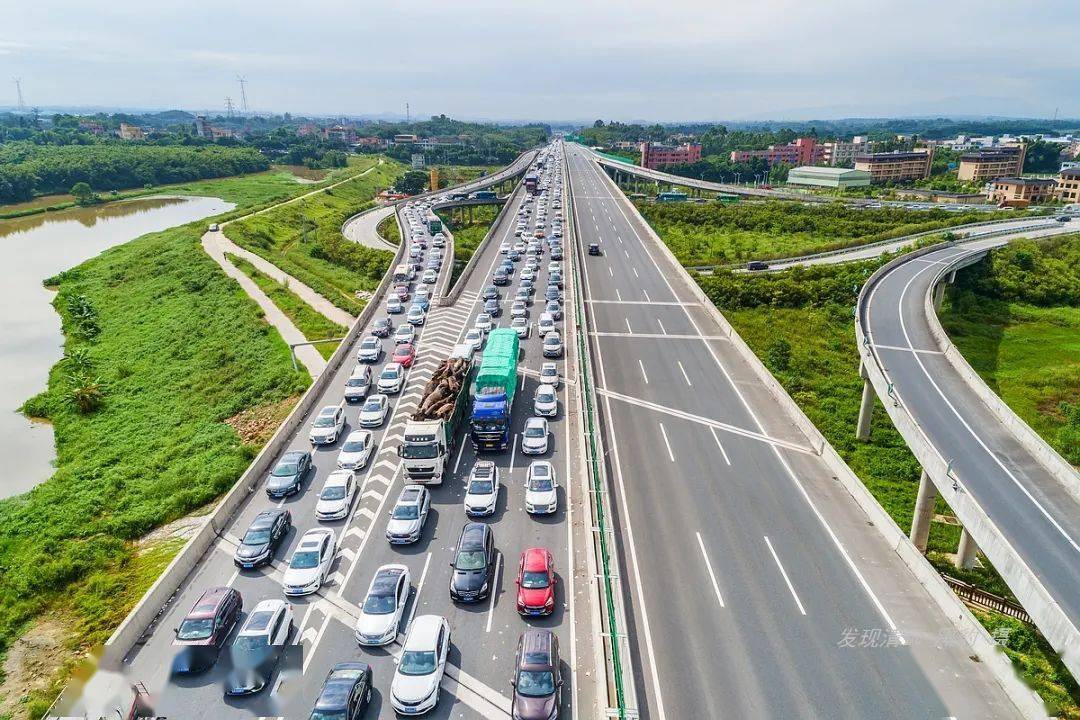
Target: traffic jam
x: 459, y: 445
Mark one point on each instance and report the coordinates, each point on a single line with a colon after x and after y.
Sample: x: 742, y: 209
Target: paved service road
x: 1032, y: 510
x: 757, y: 588
x: 484, y: 636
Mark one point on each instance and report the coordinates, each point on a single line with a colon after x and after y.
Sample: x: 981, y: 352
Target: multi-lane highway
x: 1033, y: 533
x: 756, y: 586
x: 484, y: 635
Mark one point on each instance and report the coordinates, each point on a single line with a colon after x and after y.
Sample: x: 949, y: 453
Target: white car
x: 521, y: 326
x: 370, y: 350
x: 328, y: 425
x: 310, y: 564
x: 358, y: 384
x: 519, y: 309
x: 405, y: 333
x: 545, y: 401
x: 415, y: 687
x: 549, y: 374
x: 482, y: 489
x: 534, y: 438
x: 373, y: 414
x: 475, y: 337
x: 356, y: 450
x: 483, y: 323
x: 394, y: 305
x: 336, y: 497
x: 545, y: 324
x: 269, y: 624
x: 541, y: 489
x: 416, y: 315
x: 430, y: 277
x: 504, y: 248
x: 391, y: 378
x: 553, y: 345
x: 383, y: 606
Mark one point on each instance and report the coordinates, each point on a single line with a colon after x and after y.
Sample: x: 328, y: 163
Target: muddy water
x: 32, y: 249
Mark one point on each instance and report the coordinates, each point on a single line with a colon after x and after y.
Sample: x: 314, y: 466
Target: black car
x: 556, y: 253
x: 757, y: 265
x: 492, y: 308
x: 507, y: 266
x: 473, y: 564
x: 500, y: 278
x: 490, y: 293
x: 345, y: 693
x: 263, y: 536
x: 288, y: 475
x: 382, y: 327
x: 594, y: 248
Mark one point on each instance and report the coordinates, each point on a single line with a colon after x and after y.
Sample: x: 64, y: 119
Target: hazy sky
x: 552, y: 59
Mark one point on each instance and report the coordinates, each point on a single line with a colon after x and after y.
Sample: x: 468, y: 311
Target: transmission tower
x: 408, y: 118
x: 228, y: 106
x: 18, y: 91
x: 243, y: 92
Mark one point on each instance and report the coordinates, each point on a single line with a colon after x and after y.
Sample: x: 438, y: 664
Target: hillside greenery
x: 28, y: 169
x: 712, y: 233
x: 304, y: 238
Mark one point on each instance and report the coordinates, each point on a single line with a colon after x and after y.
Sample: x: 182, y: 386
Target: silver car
x: 409, y: 515
x: 534, y: 438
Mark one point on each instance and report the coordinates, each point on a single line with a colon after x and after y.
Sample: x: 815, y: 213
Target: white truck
x: 431, y: 433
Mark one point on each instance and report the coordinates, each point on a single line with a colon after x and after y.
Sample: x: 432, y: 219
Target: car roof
x: 358, y: 435
x: 338, y: 477
x: 545, y: 387
x: 536, y: 559
x: 386, y: 580
x: 258, y: 620
x: 209, y: 602
x: 411, y: 494
x: 313, y: 537
x: 293, y: 455
x: 423, y: 632
x: 537, y: 648
x: 472, y: 536
x: 265, y: 519
x: 329, y: 410
x: 536, y: 421
x: 338, y: 685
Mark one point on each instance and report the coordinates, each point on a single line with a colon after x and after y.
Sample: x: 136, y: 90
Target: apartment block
x: 1021, y: 190
x: 804, y: 151
x: 1006, y: 161
x: 896, y: 166
x: 1068, y: 185
x: 654, y: 155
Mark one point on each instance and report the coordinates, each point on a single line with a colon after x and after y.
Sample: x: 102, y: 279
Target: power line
x: 243, y: 92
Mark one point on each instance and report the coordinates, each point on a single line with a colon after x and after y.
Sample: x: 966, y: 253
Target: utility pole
x: 243, y: 92
x: 18, y: 92
x: 228, y: 106
x: 408, y: 117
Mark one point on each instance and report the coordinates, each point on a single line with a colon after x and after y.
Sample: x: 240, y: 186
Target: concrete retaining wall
x: 1049, y: 458
x: 156, y: 598
x: 948, y: 603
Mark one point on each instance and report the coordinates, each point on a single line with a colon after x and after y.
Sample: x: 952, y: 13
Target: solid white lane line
x: 668, y: 444
x: 416, y: 597
x: 643, y: 374
x: 513, y: 452
x: 669, y: 336
x: 628, y: 328
x: 708, y: 566
x: 786, y: 578
x: 661, y: 324
x: 720, y: 445
x: 233, y: 577
x: 491, y: 593
x: 685, y: 376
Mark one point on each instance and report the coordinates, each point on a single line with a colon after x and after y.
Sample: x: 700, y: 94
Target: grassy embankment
x: 307, y: 320
x: 800, y: 324
x: 389, y: 231
x: 457, y: 174
x: 180, y: 357
x: 714, y: 234
x: 469, y: 234
x: 304, y: 238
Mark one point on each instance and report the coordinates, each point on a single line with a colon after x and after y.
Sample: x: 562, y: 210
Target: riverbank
x: 188, y: 371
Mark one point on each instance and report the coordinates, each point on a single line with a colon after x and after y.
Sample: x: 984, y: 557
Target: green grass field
x: 469, y: 235
x: 710, y: 234
x: 304, y: 238
x: 307, y: 320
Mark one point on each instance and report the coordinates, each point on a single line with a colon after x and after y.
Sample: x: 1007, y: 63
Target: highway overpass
x: 1017, y: 499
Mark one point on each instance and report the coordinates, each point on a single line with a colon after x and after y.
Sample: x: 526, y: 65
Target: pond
x: 37, y: 247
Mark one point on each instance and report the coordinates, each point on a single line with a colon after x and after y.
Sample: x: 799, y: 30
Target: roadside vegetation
x: 313, y: 324
x: 801, y: 326
x: 450, y: 175
x: 1016, y: 318
x: 169, y: 375
x: 715, y: 234
x: 389, y: 231
x: 469, y: 234
x: 304, y: 238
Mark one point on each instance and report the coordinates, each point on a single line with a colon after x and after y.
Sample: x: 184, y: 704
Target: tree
x: 598, y: 124
x: 1042, y: 157
x: 84, y: 194
x: 413, y: 182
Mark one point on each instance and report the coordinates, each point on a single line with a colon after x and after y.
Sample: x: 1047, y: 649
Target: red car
x: 205, y: 629
x: 536, y: 582
x: 404, y: 354
x: 402, y: 292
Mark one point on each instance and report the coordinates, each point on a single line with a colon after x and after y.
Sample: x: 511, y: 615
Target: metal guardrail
x: 987, y: 600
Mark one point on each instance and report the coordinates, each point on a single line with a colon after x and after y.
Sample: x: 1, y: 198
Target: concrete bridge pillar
x: 866, y: 408
x: 924, y: 512
x: 965, y: 554
x: 939, y: 295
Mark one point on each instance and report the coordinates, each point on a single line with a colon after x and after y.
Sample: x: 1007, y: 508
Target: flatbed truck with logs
x: 431, y: 432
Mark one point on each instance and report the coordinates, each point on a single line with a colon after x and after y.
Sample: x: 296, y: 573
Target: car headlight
x: 550, y: 601
x: 484, y: 587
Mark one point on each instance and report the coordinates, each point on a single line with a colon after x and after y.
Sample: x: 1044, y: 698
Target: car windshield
x: 324, y: 421
x: 406, y: 512
x: 545, y: 397
x: 285, y: 468
x: 258, y: 536
x: 535, y: 683
x: 379, y: 604
x: 534, y: 431
x: 195, y: 629
x: 373, y: 406
x: 534, y: 580
x: 356, y: 382
x: 470, y: 560
x: 417, y: 662
x: 328, y: 715
x: 354, y: 446
x: 250, y: 643
x: 481, y: 487
x: 333, y: 492
x: 390, y: 373
x: 540, y: 484
x: 420, y: 452
x: 369, y: 343
x: 304, y: 560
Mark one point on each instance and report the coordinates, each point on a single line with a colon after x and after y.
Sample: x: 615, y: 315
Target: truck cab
x: 493, y: 391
